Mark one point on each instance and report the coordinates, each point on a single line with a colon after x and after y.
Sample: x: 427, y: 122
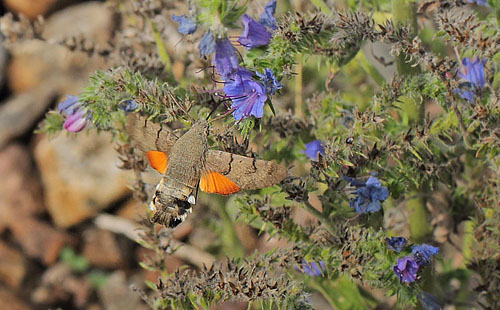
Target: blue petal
x: 254, y: 34
x: 186, y: 25
x: 423, y: 253
x: 207, y: 44
x: 70, y: 105
x: 267, y: 17
x: 314, y: 148
x: 226, y: 59
x: 270, y: 82
x: 397, y: 244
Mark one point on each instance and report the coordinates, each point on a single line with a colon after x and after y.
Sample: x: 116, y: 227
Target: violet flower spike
x: 76, y: 114
x: 370, y: 194
x: 254, y: 34
x: 248, y: 95
x: 76, y: 122
x: 397, y: 244
x: 226, y: 59
x: 207, y: 44
x: 186, y: 25
x: 472, y: 72
x: 406, y: 269
x: 423, y: 253
x: 270, y: 82
x: 267, y: 17
x: 313, y: 149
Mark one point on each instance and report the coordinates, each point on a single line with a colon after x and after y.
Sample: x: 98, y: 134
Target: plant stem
x: 404, y: 13
x: 323, y: 219
x: 162, y: 49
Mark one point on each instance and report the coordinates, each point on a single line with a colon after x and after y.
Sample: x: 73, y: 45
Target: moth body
x: 176, y: 191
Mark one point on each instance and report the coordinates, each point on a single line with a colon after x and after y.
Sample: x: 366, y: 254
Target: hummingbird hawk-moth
x: 187, y: 164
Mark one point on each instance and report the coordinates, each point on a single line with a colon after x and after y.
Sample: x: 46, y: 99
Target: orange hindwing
x: 158, y: 160
x: 214, y: 182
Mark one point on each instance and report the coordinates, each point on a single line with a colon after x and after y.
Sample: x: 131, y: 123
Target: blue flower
x: 314, y: 148
x: 313, y: 268
x: 396, y: 244
x: 186, y: 25
x: 69, y: 105
x: 248, y: 95
x: 423, y: 253
x: 207, y: 44
x: 226, y: 59
x: 270, y: 81
x: 472, y: 72
x: 129, y: 106
x: 480, y: 2
x: 406, y: 269
x: 254, y: 34
x: 76, y: 114
x: 370, y: 194
x: 267, y: 17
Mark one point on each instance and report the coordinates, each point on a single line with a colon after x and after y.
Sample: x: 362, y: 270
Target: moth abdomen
x: 172, y: 212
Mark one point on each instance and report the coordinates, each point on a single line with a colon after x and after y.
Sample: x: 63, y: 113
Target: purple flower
x: 370, y: 194
x: 406, y: 269
x: 254, y: 34
x: 270, y: 81
x: 76, y: 114
x: 423, y: 253
x: 314, y: 148
x: 186, y: 25
x: 396, y: 244
x: 267, y: 17
x: 207, y: 44
x: 248, y: 95
x: 480, y: 2
x: 226, y: 59
x: 313, y: 268
x: 472, y: 72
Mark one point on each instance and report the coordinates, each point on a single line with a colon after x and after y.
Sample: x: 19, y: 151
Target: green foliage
x: 76, y: 262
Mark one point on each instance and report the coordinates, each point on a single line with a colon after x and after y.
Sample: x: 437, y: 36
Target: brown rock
x: 58, y: 284
x: 80, y: 176
x: 9, y: 301
x: 20, y: 112
x: 19, y: 185
x: 38, y: 239
x: 73, y: 21
x: 30, y: 8
x: 116, y: 294
x: 12, y: 266
x: 101, y: 249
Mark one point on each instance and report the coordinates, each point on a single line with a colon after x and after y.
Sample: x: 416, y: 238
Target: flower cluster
x: 248, y: 95
x: 369, y: 195
x: 77, y: 114
x: 407, y: 267
x: 473, y: 73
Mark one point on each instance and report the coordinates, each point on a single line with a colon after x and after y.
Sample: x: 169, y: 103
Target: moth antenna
x: 181, y: 107
x: 221, y: 116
